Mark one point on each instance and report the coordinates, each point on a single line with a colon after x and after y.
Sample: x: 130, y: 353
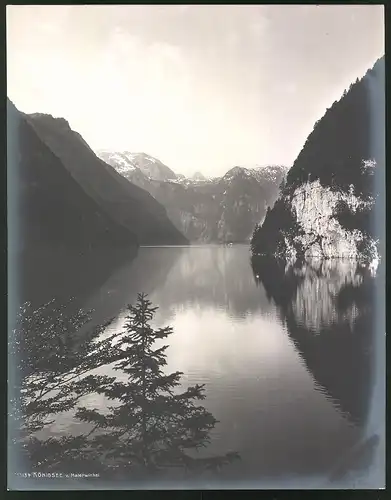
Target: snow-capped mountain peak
x: 126, y: 161
x: 269, y: 173
x: 236, y: 172
x: 122, y: 162
x: 223, y: 208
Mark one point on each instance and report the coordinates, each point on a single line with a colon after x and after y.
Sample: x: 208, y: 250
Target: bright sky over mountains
x: 199, y: 87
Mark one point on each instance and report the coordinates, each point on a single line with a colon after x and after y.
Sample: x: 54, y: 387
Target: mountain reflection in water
x: 329, y: 307
x: 329, y: 311
x: 286, y: 353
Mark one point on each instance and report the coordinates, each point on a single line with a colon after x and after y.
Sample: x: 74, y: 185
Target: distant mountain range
x: 222, y: 209
x: 333, y: 200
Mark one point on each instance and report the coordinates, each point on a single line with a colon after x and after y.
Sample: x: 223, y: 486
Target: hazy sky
x: 200, y: 87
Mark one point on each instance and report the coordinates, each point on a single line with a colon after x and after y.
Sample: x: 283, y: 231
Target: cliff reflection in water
x: 329, y: 312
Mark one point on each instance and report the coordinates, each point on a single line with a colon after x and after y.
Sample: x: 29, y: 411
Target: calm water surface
x: 287, y: 355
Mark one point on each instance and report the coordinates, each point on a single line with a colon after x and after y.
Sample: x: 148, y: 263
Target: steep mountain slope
x: 242, y: 204
x: 332, y: 204
x: 124, y: 202
x: 223, y: 209
x: 61, y: 242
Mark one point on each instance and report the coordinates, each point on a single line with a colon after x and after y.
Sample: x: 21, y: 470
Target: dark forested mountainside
x: 331, y: 202
x: 126, y: 203
x: 59, y: 235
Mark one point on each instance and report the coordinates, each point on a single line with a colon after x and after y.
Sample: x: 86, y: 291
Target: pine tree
x: 51, y: 366
x: 152, y: 425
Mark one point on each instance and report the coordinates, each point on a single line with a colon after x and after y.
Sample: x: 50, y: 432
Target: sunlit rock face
x: 332, y: 203
x: 320, y: 233
x: 313, y: 225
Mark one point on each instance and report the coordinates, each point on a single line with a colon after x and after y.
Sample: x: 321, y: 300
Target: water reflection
x: 284, y: 353
x: 214, y: 278
x: 148, y: 271
x: 275, y: 406
x: 328, y: 309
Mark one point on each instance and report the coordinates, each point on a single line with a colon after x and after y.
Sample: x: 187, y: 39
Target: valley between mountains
x: 215, y: 210
x: 196, y: 247
x: 87, y: 209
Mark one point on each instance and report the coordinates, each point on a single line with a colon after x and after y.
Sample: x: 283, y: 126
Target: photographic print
x: 196, y: 247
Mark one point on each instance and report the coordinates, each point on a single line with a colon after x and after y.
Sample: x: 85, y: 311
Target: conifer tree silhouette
x: 150, y: 426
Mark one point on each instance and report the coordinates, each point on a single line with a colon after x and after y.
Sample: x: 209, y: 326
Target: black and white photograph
x: 196, y: 247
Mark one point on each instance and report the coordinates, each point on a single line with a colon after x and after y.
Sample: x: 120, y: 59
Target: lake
x: 292, y: 358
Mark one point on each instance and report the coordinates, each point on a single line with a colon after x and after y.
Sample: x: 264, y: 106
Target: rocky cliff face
x: 320, y: 232
x: 333, y: 197
x: 205, y: 210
